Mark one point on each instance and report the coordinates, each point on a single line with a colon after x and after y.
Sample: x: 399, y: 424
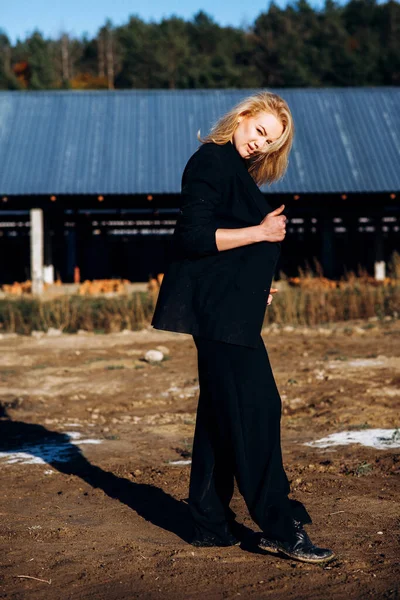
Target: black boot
x: 203, y: 538
x: 301, y: 548
x: 212, y: 540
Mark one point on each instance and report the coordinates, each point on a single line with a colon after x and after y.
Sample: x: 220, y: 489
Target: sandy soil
x: 95, y: 507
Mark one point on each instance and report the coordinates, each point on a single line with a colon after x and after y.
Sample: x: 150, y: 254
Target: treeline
x: 356, y: 44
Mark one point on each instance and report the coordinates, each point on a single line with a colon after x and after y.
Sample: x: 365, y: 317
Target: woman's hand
x: 272, y: 291
x: 273, y: 227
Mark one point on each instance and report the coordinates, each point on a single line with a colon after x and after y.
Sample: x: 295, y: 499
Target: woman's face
x: 253, y: 134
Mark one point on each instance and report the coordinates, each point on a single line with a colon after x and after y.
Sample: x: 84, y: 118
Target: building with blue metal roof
x: 138, y: 141
x: 105, y: 168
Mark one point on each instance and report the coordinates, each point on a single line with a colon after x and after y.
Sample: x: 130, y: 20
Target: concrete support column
x: 36, y: 215
x: 380, y: 270
x: 48, y: 274
x: 48, y: 235
x: 379, y: 258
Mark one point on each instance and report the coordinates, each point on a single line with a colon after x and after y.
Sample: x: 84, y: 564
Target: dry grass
x: 309, y: 299
x: 72, y: 313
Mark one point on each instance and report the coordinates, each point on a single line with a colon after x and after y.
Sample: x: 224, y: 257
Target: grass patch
x: 94, y: 359
x: 7, y: 372
x: 70, y: 313
x: 363, y: 469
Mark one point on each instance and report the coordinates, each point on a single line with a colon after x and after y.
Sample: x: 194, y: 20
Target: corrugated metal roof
x: 138, y: 141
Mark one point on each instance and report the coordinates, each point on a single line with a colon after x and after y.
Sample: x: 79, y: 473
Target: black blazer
x: 219, y: 295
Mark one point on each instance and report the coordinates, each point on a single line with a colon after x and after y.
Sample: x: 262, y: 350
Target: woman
x: 217, y: 285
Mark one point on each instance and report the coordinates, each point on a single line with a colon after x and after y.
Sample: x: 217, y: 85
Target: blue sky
x: 17, y: 18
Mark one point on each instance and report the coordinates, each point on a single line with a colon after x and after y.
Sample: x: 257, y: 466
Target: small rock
x: 53, y: 332
x: 37, y: 334
x: 324, y: 331
x: 319, y: 374
x: 153, y: 356
x: 359, y: 330
x: 288, y: 328
x: 82, y: 332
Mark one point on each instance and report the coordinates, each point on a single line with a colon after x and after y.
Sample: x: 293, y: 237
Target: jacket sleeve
x: 203, y: 181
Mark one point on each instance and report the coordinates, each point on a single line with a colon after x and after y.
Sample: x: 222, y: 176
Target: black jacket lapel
x: 252, y: 188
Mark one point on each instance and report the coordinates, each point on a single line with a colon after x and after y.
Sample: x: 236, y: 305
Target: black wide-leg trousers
x: 237, y: 435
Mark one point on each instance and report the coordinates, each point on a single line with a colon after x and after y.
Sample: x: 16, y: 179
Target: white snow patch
x: 366, y: 362
x: 380, y: 439
x: 73, y: 435
x: 180, y: 462
x: 359, y: 362
x: 47, y: 452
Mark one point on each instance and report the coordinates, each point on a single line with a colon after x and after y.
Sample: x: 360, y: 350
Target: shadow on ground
x: 150, y: 502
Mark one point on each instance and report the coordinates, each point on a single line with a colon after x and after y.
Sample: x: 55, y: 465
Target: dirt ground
x: 93, y: 506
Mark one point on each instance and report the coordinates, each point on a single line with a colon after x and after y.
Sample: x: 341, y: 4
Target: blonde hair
x: 265, y: 166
